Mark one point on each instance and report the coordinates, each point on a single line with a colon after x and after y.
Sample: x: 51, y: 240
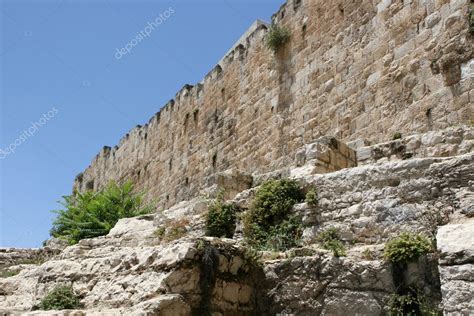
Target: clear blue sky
x: 59, y: 56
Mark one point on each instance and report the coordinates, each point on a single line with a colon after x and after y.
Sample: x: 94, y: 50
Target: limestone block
x: 456, y: 247
x: 327, y: 154
x: 456, y: 243
x: 233, y: 181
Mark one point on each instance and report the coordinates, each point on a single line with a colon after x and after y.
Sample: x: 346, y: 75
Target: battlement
x: 358, y: 71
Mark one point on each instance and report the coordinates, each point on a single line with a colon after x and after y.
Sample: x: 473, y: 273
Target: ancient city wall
x: 356, y: 70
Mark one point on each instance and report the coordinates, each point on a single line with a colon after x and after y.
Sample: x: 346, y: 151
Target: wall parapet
x: 351, y: 70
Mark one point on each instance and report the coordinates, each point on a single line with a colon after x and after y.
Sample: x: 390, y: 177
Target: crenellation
x: 355, y: 70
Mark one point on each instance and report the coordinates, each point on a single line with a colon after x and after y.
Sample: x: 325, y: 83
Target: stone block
x: 456, y: 243
x: 327, y: 154
x: 456, y: 249
x: 233, y: 181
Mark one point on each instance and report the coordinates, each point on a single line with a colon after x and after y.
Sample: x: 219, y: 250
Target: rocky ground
x: 136, y: 271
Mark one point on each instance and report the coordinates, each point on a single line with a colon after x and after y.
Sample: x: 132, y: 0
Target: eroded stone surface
x: 442, y: 143
x: 131, y: 269
x: 456, y: 250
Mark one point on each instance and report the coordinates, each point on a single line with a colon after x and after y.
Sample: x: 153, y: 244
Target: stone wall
x: 441, y: 143
x: 356, y: 70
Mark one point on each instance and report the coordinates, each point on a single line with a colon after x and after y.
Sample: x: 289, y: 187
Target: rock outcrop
x: 132, y: 271
x: 456, y: 251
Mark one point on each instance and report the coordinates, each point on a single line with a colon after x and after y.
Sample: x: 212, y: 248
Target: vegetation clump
x: 397, y: 135
x: 92, y: 214
x: 269, y: 224
x: 221, y: 218
x: 407, y: 247
x: 411, y: 303
x: 330, y: 240
x: 61, y: 297
x: 276, y: 37
x: 253, y: 258
x: 311, y: 197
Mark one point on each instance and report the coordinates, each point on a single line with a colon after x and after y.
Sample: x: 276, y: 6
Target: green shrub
x: 62, y: 297
x: 276, y: 37
x: 397, y: 135
x: 407, y: 247
x: 92, y: 214
x: 311, y: 197
x: 220, y: 219
x: 412, y: 303
x: 285, y: 235
x: 330, y: 240
x: 269, y: 224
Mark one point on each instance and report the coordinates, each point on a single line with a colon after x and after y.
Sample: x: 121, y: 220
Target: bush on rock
x: 92, y: 214
x: 269, y: 223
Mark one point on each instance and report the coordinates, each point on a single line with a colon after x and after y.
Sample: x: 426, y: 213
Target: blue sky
x: 61, y: 83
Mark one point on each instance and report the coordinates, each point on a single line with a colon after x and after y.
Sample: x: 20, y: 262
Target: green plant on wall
x: 311, y: 197
x: 276, y: 37
x: 397, y: 135
x: 407, y: 247
x: 411, y: 303
x: 269, y: 223
x: 61, y: 297
x: 220, y: 219
x: 330, y: 240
